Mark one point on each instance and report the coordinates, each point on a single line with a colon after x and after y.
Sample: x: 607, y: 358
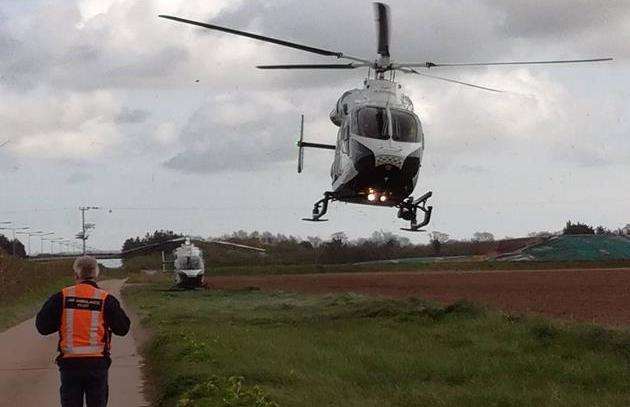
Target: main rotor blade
x: 5, y: 143
x: 148, y: 246
x: 561, y: 61
x: 313, y: 66
x: 301, y: 47
x: 382, y: 28
x: 413, y: 71
x: 235, y: 245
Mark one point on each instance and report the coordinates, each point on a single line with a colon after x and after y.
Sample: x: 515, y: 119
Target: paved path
x: 29, y: 375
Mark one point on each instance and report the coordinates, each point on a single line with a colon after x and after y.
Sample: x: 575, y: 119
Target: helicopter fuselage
x: 189, y: 266
x: 379, y: 147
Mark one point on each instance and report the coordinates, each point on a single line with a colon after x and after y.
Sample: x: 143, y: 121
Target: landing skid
x: 408, y: 210
x: 320, y: 208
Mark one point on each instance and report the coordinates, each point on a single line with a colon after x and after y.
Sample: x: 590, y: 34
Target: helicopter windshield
x: 189, y: 263
x: 372, y: 122
x: 404, y: 126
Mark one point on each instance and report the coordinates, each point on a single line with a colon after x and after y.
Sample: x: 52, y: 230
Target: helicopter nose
x: 389, y: 160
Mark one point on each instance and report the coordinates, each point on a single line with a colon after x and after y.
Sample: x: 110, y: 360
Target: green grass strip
x: 249, y: 348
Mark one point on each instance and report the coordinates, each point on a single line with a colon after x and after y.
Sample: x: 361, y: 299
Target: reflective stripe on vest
x: 83, y: 332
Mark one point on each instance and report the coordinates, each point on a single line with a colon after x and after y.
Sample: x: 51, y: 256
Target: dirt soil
x: 600, y: 296
x: 30, y: 377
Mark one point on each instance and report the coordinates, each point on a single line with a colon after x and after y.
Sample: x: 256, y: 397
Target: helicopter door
x: 343, y: 140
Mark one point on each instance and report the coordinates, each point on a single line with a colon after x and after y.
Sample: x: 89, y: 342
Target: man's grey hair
x: 86, y: 268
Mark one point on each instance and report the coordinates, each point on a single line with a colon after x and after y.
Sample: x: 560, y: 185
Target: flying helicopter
x: 189, y: 265
x: 380, y: 141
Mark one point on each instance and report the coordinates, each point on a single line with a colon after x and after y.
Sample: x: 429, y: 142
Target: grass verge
x: 249, y: 348
x: 25, y: 285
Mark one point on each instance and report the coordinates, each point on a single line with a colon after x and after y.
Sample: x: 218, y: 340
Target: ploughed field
x: 600, y: 296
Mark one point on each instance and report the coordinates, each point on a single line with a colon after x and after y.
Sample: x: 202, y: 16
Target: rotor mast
x: 382, y: 65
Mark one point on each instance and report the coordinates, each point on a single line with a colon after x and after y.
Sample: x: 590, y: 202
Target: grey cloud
x: 156, y: 65
x: 131, y: 116
x: 476, y: 169
x: 19, y: 71
x: 599, y: 28
x: 210, y: 144
x: 216, y: 159
x: 460, y: 30
x: 53, y: 51
x: 81, y: 54
x: 79, y: 178
x: 554, y: 18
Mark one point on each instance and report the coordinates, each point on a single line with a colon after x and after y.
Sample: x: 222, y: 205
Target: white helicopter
x: 380, y: 142
x: 189, y: 266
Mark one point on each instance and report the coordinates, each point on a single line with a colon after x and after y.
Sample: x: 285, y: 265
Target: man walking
x: 85, y: 317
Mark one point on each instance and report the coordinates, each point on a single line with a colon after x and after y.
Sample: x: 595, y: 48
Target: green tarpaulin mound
x: 580, y: 248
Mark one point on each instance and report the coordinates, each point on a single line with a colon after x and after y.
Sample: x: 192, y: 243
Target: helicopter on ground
x: 188, y: 259
x: 189, y: 263
x: 380, y: 142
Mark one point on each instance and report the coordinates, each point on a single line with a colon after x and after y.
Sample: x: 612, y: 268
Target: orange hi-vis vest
x: 83, y: 332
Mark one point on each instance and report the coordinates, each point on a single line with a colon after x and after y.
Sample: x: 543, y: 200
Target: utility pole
x: 41, y: 241
x: 30, y: 234
x: 83, y: 235
x: 52, y: 244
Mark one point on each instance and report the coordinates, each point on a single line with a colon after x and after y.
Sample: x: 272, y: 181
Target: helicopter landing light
x: 383, y: 198
x: 371, y: 197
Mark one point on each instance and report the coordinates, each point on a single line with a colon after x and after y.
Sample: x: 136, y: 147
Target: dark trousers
x: 77, y: 382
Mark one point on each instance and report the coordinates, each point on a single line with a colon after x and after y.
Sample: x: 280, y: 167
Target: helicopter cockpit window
x: 372, y: 122
x: 189, y: 263
x: 404, y: 126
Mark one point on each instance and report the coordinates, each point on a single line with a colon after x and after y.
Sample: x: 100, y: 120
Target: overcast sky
x: 171, y: 126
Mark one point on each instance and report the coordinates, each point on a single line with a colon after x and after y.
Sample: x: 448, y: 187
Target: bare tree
x: 315, y: 241
x: 437, y: 240
x: 483, y: 237
x: 339, y: 238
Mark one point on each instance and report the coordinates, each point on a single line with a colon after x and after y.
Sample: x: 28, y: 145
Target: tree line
x: 159, y: 236
x: 338, y: 248
x: 7, y: 245
x: 583, y: 229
